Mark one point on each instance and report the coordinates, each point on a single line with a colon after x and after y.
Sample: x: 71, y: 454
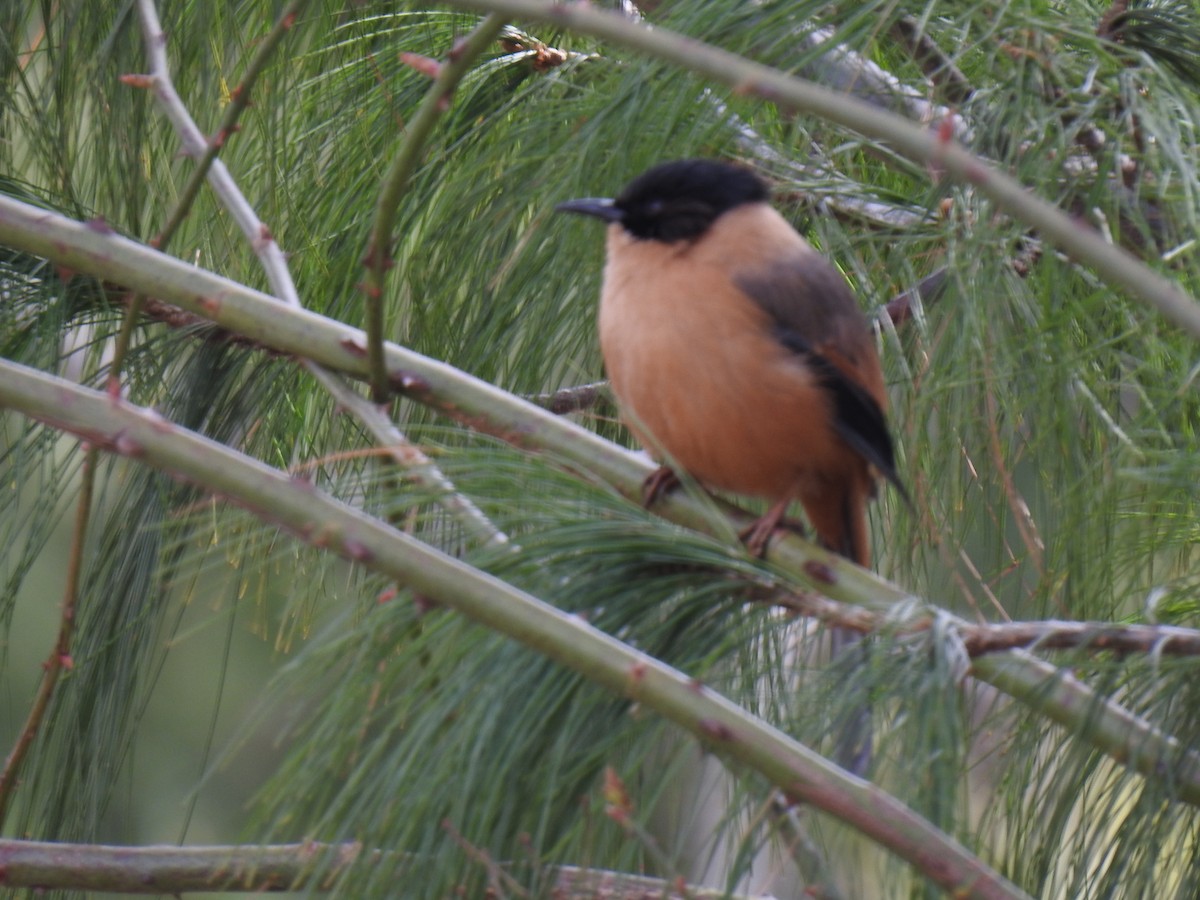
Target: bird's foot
x: 794, y: 525
x: 758, y: 533
x: 661, y: 481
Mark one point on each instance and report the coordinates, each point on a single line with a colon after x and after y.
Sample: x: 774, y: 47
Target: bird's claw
x: 758, y: 533
x: 661, y: 481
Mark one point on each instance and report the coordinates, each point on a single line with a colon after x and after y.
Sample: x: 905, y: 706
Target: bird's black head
x: 676, y: 201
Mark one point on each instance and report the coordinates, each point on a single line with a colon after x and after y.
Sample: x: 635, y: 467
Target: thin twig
x: 983, y: 639
x: 239, y: 99
x: 1053, y: 634
x: 564, y: 638
x: 204, y: 160
x: 379, y: 250
x: 807, y: 856
x: 464, y: 399
x: 413, y: 461
x: 498, y: 879
x: 416, y: 465
x: 60, y: 656
x: 930, y: 147
x: 172, y: 870
x: 196, y: 146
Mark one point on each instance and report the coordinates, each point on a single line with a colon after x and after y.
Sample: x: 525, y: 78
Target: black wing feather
x: 807, y: 295
x: 857, y: 418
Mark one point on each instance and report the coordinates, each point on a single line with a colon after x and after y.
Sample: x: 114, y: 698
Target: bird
x: 738, y: 354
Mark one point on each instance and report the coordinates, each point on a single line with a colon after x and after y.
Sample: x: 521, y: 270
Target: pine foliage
x: 1046, y: 424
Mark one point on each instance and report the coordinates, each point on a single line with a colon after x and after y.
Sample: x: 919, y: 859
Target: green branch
x: 309, y: 336
x: 1062, y: 697
x: 317, y: 518
x: 489, y: 409
x: 379, y: 255
x: 176, y: 870
x: 410, y: 459
x: 938, y: 153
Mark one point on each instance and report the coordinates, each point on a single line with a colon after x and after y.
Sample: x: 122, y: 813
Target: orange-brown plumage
x: 737, y: 353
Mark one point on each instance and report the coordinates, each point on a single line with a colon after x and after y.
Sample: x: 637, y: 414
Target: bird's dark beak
x: 600, y: 207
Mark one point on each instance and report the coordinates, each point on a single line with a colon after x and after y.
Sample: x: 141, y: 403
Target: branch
x: 239, y: 99
x: 930, y: 148
x: 853, y: 75
x: 279, y: 867
x: 981, y: 640
x: 488, y: 409
x: 60, y: 655
x: 378, y: 259
x: 318, y: 519
x: 1123, y: 735
x: 847, y: 204
x: 482, y: 406
x: 1055, y: 693
x: 167, y: 869
x: 415, y: 464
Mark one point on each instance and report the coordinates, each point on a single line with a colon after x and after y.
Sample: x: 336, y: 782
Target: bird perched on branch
x: 737, y: 352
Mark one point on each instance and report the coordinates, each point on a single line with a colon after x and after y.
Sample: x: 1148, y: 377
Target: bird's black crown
x: 679, y: 200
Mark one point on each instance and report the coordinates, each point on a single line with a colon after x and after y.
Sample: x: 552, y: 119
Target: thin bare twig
x: 1052, y: 634
x: 279, y: 867
x: 486, y: 408
x: 204, y: 160
x: 983, y: 639
x: 807, y: 856
x: 416, y: 465
x: 60, y: 656
x: 239, y: 99
x: 498, y: 879
x: 320, y: 519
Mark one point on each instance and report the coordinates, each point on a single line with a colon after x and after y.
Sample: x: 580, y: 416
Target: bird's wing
x: 814, y: 314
